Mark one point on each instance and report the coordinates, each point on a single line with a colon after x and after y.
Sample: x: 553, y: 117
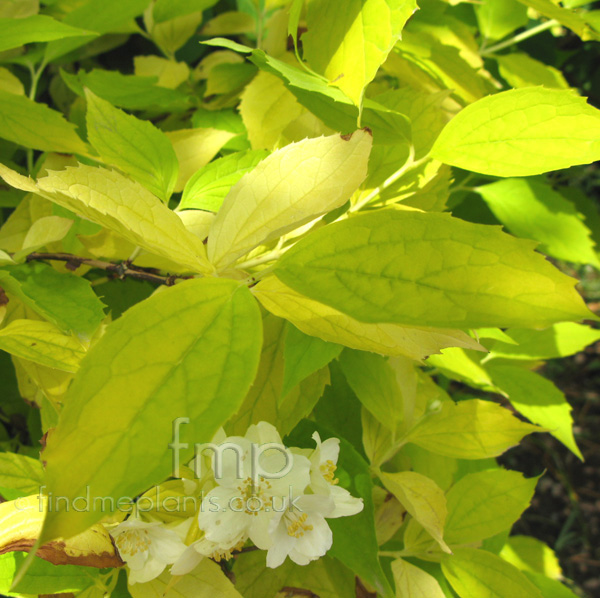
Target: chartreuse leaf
x: 165, y: 10
x: 43, y: 343
x: 130, y: 91
x: 65, y: 299
x: 349, y: 47
x: 329, y: 324
x: 422, y: 498
x: 19, y: 475
x: 265, y: 400
x: 325, y: 577
x: 135, y: 383
x: 559, y: 340
x: 208, y: 187
x: 520, y: 70
x: 207, y: 580
x: 43, y: 577
x: 194, y: 149
x: 474, y: 572
x: 412, y: 581
x: 304, y: 355
x: 429, y: 269
x: 36, y: 126
x: 21, y: 522
x: 374, y: 382
x: 354, y: 538
x: 483, y: 504
x: 101, y: 16
x: 498, y: 18
x: 286, y: 190
x: 471, y: 429
x: 35, y: 28
x: 538, y: 399
x: 135, y: 146
x: 125, y: 207
x: 522, y: 132
x: 533, y: 210
x: 532, y: 555
x: 550, y: 588
x: 569, y: 18
x: 459, y: 365
x: 327, y: 102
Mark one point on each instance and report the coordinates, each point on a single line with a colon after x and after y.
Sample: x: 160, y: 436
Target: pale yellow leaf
x: 317, y: 319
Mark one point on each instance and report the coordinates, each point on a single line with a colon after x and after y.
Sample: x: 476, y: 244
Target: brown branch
x: 121, y: 270
x: 290, y: 591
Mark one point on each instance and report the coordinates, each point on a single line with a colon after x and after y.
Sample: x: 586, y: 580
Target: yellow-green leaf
x: 43, y: 343
x: 35, y: 28
x: 287, y: 189
x: 522, y: 132
x: 483, y: 504
x: 471, y: 429
x: 480, y: 573
x: 413, y: 582
x: 21, y: 522
x: 429, y: 269
x: 190, y: 351
x: 349, y: 46
x: 422, y: 498
x: 36, y: 126
x: 329, y: 324
x: 125, y: 207
x: 135, y: 146
x: 539, y: 400
x: 532, y: 555
x: 207, y: 580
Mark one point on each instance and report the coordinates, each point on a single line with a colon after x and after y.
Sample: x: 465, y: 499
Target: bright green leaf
x: 65, y: 299
x: 135, y: 146
x: 429, y: 269
x: 135, y: 383
x: 533, y: 210
x: 522, y: 132
x: 559, y: 340
x: 35, y: 28
x: 130, y: 91
x: 304, y: 355
x: 539, y: 400
x: 207, y: 189
x: 532, y: 555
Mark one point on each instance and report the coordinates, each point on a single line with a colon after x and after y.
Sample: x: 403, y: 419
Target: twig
x: 290, y: 591
x: 122, y: 269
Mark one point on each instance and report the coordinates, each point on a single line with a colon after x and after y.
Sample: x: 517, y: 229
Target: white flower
x: 243, y: 503
x: 301, y: 533
x: 323, y: 464
x: 147, y: 548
